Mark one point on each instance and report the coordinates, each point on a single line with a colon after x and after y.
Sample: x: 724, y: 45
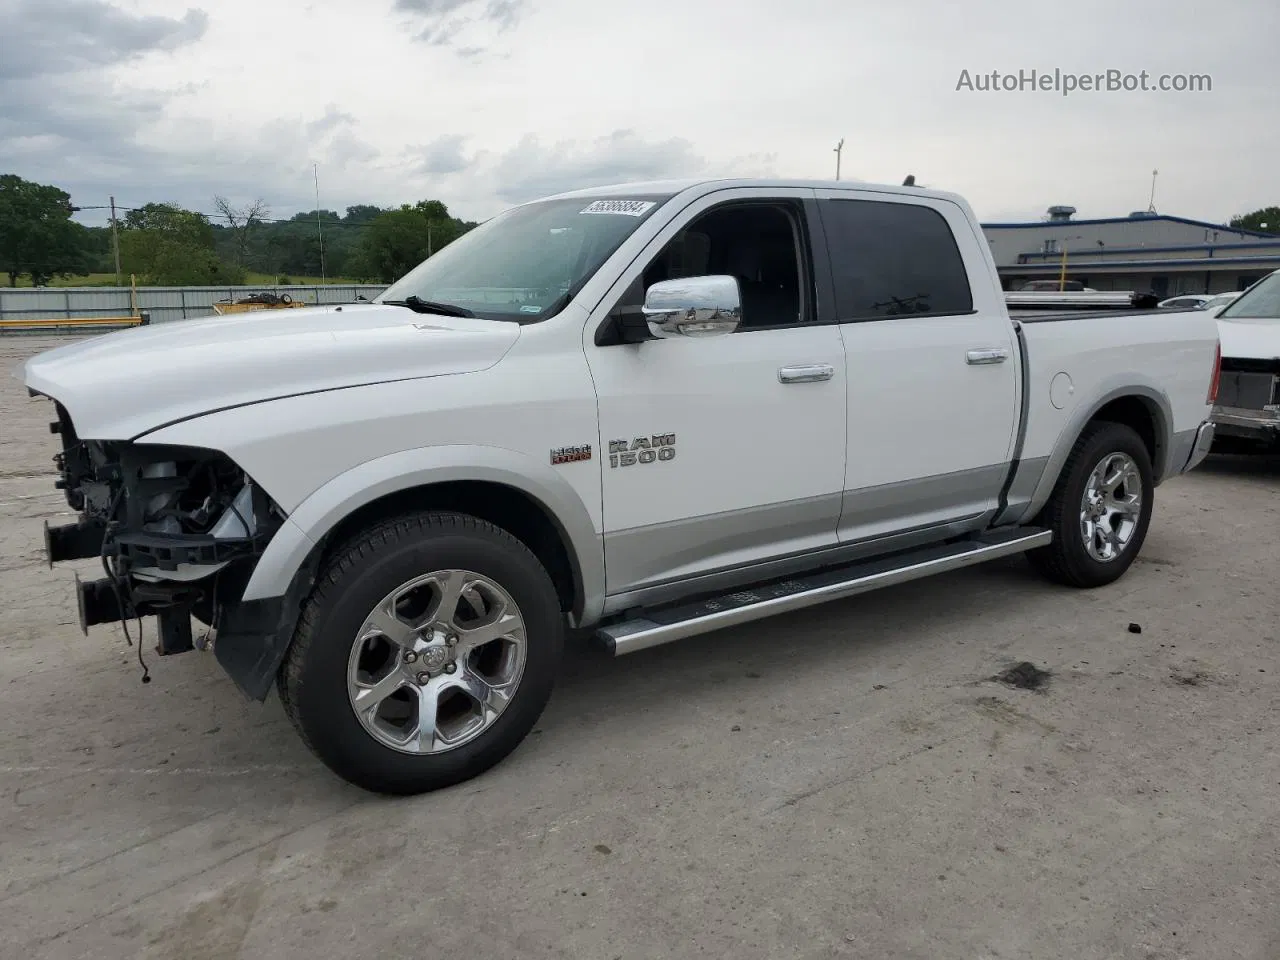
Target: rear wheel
x: 1100, y: 509
x: 425, y: 655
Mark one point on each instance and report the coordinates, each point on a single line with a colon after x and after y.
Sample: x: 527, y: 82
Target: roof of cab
x: 706, y: 185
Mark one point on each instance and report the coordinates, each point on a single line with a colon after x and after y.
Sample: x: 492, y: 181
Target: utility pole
x: 1062, y: 275
x: 839, y: 148
x: 319, y: 228
x: 115, y: 243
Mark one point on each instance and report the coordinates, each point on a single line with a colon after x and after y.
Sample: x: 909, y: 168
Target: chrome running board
x: 663, y: 625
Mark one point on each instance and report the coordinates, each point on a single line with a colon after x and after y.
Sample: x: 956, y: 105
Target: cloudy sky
x: 482, y: 103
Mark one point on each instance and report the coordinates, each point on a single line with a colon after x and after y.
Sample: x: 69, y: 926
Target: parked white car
x: 1247, y: 412
x: 652, y: 410
x: 1220, y: 300
x: 1186, y: 301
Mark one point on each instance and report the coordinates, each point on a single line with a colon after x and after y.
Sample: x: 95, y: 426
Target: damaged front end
x: 178, y: 531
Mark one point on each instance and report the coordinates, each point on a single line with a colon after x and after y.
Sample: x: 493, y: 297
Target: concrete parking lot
x: 845, y: 783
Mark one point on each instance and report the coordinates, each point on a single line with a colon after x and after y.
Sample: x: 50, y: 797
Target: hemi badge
x: 570, y: 454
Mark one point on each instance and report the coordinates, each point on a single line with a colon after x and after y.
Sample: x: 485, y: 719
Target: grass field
x: 109, y: 280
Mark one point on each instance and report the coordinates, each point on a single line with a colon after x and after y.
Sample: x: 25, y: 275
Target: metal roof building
x: 1144, y: 251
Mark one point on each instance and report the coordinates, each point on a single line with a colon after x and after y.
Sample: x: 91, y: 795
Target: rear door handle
x: 806, y: 373
x: 987, y: 355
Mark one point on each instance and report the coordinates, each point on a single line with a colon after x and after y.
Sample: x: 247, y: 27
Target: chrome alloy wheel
x: 1111, y: 507
x: 436, y: 662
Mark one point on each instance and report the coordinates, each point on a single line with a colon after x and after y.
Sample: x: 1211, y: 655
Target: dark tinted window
x: 893, y: 259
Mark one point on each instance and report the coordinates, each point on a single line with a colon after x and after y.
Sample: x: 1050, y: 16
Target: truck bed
x: 1053, y: 316
x: 1164, y: 356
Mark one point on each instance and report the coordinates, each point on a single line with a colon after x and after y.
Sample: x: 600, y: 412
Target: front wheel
x: 1100, y: 509
x: 425, y: 655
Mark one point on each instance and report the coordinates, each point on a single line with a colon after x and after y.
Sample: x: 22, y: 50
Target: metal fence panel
x: 162, y: 303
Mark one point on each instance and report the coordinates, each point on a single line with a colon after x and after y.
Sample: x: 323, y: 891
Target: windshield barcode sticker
x: 627, y: 208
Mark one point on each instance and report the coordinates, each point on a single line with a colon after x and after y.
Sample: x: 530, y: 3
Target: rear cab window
x: 892, y: 259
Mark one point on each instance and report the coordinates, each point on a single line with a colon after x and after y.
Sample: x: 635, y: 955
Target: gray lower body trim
x: 682, y: 549
x: 1162, y: 417
x: 922, y: 502
x: 1202, y: 445
x: 1180, y: 447
x: 1023, y: 499
x: 793, y: 565
x: 669, y: 561
x: 1026, y: 478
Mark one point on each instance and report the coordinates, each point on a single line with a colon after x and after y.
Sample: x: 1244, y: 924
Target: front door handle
x: 806, y: 373
x: 988, y: 355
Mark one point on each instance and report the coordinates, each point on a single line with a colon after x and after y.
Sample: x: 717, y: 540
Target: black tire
x: 312, y: 681
x: 1066, y: 560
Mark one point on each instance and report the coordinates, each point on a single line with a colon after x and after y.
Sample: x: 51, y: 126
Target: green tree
x: 361, y: 213
x: 1266, y: 220
x: 37, y: 235
x: 299, y: 243
x: 101, y: 259
x: 292, y: 247
x: 166, y: 245
x: 242, y: 221
x: 396, y: 241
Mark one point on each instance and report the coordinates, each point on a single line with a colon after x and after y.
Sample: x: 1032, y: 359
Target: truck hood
x: 121, y: 385
x: 1250, y: 339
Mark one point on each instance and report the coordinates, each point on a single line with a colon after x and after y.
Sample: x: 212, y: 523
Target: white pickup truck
x: 1246, y: 416
x: 650, y: 411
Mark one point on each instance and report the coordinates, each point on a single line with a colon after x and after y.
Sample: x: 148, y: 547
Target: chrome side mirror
x: 693, y: 307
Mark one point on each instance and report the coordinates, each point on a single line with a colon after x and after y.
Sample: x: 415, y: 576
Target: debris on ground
x: 1191, y: 676
x: 1024, y: 676
x: 1135, y: 628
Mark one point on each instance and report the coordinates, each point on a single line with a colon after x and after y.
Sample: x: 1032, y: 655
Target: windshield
x: 1259, y: 302
x: 527, y: 263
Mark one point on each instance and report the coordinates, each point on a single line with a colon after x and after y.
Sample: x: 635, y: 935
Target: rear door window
x: 893, y: 260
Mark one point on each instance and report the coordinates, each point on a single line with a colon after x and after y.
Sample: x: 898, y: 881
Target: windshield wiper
x: 418, y: 305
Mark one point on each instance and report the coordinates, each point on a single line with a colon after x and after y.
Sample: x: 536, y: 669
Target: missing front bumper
x: 104, y: 601
x: 73, y: 541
